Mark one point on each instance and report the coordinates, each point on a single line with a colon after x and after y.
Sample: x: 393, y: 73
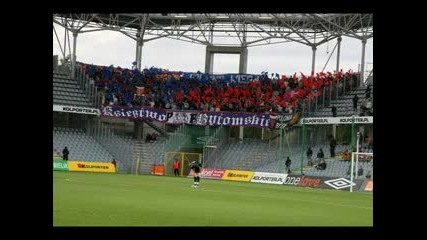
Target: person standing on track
x: 176, y: 167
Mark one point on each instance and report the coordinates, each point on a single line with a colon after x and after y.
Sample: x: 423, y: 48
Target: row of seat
x: 81, y: 146
x: 338, y: 168
x: 71, y: 103
x: 344, y: 105
x: 66, y: 91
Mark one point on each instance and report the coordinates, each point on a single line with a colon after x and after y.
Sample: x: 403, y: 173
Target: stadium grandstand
x: 245, y: 122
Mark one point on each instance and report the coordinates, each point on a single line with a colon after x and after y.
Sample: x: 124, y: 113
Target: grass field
x: 100, y: 199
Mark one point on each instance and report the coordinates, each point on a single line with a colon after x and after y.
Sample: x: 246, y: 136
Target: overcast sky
x: 108, y: 47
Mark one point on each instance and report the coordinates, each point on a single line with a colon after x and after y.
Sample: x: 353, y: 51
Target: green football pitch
x: 101, y: 199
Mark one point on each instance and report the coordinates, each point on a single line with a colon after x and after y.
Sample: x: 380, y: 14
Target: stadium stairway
x: 156, y: 127
x: 143, y: 157
x: 148, y: 154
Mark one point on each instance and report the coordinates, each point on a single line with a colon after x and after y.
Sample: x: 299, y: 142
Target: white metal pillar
x: 73, y: 58
x: 64, y: 55
x: 137, y: 51
x: 243, y: 61
x: 362, y: 130
x: 362, y: 67
x: 243, y: 65
x: 357, y: 156
x: 211, y: 50
x: 338, y: 53
x: 138, y: 54
x: 313, y: 58
x: 209, y: 61
x: 140, y: 44
x: 334, y: 131
x: 240, y: 133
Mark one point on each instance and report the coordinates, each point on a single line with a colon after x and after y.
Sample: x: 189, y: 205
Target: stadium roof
x: 243, y: 29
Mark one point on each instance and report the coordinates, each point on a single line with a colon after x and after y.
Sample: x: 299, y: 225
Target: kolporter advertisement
x: 269, y: 178
x: 60, y: 165
x: 337, y: 120
x: 81, y: 110
x: 91, y: 167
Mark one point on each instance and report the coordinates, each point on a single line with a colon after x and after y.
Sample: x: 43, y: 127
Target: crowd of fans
x: 158, y: 88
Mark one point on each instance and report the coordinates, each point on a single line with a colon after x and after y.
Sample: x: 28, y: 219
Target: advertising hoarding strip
x: 269, y: 178
x: 73, y: 109
x: 211, y: 173
x: 322, y: 182
x: 369, y: 186
x: 336, y: 120
x: 60, y: 165
x: 91, y: 167
x: 237, y: 175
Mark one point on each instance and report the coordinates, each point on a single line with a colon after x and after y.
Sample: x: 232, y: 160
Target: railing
x: 88, y: 86
x: 328, y: 94
x: 153, y: 125
x: 114, y: 144
x: 370, y: 79
x: 210, y: 147
x: 177, y: 139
